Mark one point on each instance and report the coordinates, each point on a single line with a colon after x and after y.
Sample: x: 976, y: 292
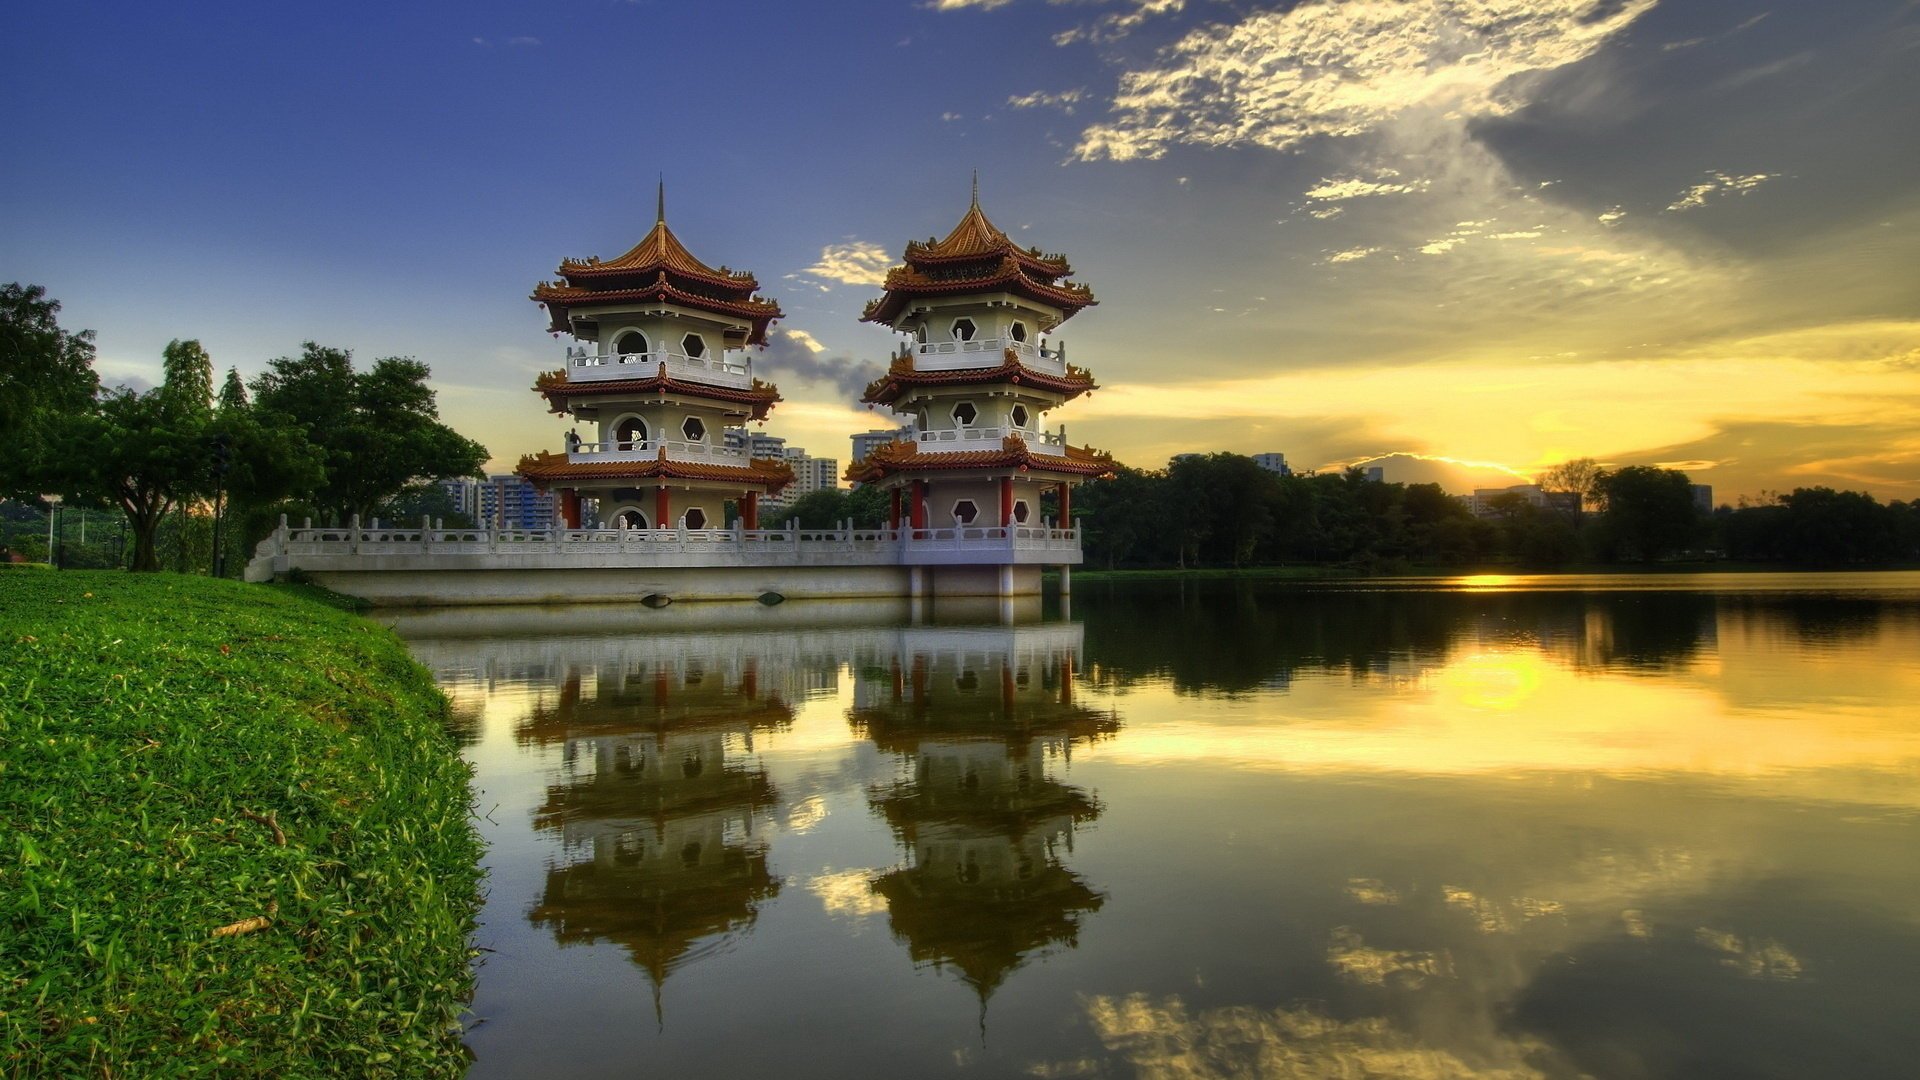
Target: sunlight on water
x: 1468, y: 828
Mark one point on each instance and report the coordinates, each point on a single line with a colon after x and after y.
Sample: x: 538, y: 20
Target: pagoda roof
x: 902, y: 376
x: 659, y: 267
x: 758, y: 398
x: 545, y: 470
x: 1014, y: 453
x: 976, y: 238
x: 977, y: 256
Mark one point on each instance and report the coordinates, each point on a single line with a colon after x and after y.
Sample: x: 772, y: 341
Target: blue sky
x: 1488, y: 230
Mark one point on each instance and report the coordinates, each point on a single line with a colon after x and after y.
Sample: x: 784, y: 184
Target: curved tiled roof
x: 557, y: 389
x: 660, y: 250
x: 559, y: 298
x: 545, y: 469
x: 903, y: 376
x: 905, y: 456
x: 978, y: 257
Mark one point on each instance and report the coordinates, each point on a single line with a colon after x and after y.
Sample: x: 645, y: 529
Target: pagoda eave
x: 1078, y: 463
x: 544, y: 470
x: 895, y: 384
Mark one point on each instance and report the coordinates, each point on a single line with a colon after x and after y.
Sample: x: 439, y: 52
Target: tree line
x: 312, y: 435
x: 1224, y: 510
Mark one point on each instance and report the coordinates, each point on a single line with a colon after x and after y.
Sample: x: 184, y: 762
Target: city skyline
x: 1495, y: 233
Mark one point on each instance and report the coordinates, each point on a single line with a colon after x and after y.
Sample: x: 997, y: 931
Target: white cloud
x: 1385, y: 182
x: 1278, y: 78
x: 855, y: 262
x: 961, y: 5
x: 950, y: 117
x: 1118, y: 25
x: 1065, y: 100
x: 1351, y: 254
x: 1716, y: 185
x: 1611, y: 216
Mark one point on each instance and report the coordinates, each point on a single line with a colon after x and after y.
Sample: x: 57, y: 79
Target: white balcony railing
x: 953, y: 440
x: 987, y: 352
x: 649, y: 449
x: 584, y: 365
x: 425, y: 547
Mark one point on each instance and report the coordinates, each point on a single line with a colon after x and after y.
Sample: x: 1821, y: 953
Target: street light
x: 222, y: 459
x: 53, y: 514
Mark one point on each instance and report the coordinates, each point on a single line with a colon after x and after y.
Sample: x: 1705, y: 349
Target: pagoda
x: 660, y: 373
x: 977, y: 374
x: 978, y: 720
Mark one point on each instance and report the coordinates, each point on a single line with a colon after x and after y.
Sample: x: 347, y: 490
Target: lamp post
x: 53, y: 515
x: 222, y: 456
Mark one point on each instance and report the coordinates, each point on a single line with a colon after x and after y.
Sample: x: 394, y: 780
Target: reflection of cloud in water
x: 1756, y: 958
x: 1371, y: 891
x: 1500, y: 917
x: 847, y: 892
x: 806, y: 814
x: 1404, y: 969
x: 1164, y: 1040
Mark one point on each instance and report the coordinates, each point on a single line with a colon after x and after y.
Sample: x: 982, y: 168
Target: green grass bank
x: 235, y: 836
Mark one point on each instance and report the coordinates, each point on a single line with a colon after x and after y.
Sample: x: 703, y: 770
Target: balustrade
x: 586, y: 366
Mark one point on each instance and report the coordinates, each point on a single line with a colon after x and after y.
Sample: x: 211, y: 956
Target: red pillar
x: 893, y: 509
x: 1006, y: 502
x: 1066, y: 506
x: 750, y: 510
x: 919, y: 508
x: 662, y: 508
x: 570, y: 507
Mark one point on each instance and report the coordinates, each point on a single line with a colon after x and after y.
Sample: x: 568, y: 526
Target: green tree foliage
x: 1649, y: 513
x: 378, y: 431
x: 146, y: 453
x: 865, y: 506
x: 46, y: 381
x: 1823, y: 527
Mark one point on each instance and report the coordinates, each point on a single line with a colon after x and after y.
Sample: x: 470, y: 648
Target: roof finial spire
x: 660, y: 201
x: 976, y: 189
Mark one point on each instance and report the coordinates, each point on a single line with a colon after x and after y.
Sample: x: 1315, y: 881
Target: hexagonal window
x: 1018, y: 331
x: 1020, y: 511
x: 694, y: 430
x: 963, y: 330
x: 965, y: 414
x: 695, y: 345
x: 696, y: 518
x: 1018, y: 414
x: 631, y: 343
x: 964, y: 511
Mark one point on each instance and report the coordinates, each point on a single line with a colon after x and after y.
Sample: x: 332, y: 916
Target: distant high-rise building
x: 1702, y: 497
x: 508, y: 502
x: 1376, y: 474
x: 811, y: 474
x: 757, y: 444
x: 463, y: 493
x: 1273, y: 462
x: 866, y: 442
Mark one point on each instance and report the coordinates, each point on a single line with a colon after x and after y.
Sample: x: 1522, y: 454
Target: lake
x: 1654, y: 826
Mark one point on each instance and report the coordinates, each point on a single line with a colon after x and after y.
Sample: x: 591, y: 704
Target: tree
x: 378, y: 431
x: 46, y: 381
x: 1578, y: 474
x: 1649, y: 513
x: 146, y: 453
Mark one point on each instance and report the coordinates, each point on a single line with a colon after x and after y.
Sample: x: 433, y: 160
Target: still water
x: 1489, y: 827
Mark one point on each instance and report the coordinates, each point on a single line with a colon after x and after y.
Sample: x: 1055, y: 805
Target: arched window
x: 630, y: 519
x: 630, y: 433
x: 631, y: 343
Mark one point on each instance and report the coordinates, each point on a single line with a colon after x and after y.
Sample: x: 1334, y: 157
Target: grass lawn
x: 234, y: 836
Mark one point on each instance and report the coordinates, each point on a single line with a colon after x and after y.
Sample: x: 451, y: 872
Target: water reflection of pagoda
x: 977, y: 718
x: 658, y: 806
